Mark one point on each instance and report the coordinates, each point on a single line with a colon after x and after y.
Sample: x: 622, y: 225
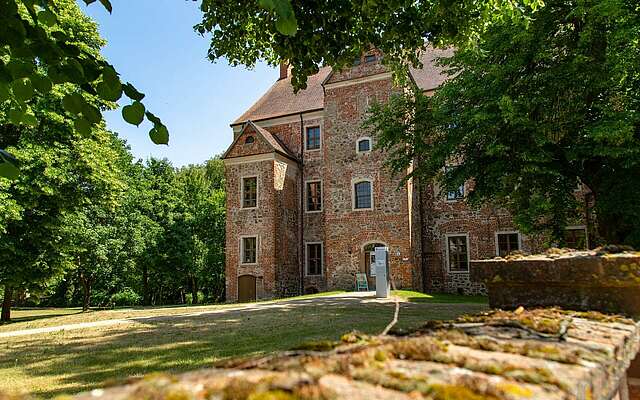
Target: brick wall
x: 347, y: 231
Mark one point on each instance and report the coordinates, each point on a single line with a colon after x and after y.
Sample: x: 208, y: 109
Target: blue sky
x: 152, y: 45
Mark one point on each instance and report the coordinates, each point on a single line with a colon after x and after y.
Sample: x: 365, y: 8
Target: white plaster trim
x: 242, y: 237
x: 360, y: 139
x: 242, y: 178
x: 507, y: 233
x: 349, y: 82
x: 259, y: 157
x: 446, y: 248
x: 306, y: 258
x: 353, y: 194
x: 306, y: 203
x: 287, y: 119
x: 307, y: 127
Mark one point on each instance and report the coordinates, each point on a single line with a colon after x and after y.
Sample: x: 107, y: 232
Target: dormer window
x: 249, y: 140
x: 363, y: 145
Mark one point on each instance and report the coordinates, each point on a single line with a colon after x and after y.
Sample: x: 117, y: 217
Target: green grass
x: 77, y: 360
x: 418, y: 297
x: 30, y: 318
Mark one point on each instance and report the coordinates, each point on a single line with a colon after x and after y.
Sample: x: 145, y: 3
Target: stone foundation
x: 602, y: 280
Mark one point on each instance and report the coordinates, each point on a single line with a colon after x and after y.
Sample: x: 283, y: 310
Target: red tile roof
x: 280, y: 100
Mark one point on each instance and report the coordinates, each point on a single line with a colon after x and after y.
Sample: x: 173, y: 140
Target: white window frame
x: 446, y: 247
x: 242, y: 178
x: 360, y: 140
x: 463, y: 187
x: 319, y: 126
x: 581, y: 227
x: 242, y: 237
x: 306, y: 258
x: 507, y: 233
x: 306, y: 202
x: 353, y: 194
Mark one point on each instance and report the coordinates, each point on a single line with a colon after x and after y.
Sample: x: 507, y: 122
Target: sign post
x: 383, y: 286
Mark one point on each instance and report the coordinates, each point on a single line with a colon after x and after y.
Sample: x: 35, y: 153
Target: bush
x: 125, y: 297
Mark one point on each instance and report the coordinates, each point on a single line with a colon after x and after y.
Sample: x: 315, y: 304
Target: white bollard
x: 383, y: 285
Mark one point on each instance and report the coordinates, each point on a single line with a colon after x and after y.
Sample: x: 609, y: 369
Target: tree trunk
x: 6, y: 304
x: 86, y: 291
x: 194, y: 291
x: 146, y: 296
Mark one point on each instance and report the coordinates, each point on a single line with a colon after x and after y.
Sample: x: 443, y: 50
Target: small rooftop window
x: 249, y: 140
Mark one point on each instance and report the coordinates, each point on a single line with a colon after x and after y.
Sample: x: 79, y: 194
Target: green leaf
x: 109, y: 93
x: 73, y: 103
x: 110, y: 77
x: 151, y: 117
x: 286, y: 22
x: 30, y: 120
x: 47, y: 18
x: 16, y: 115
x: 5, y: 94
x: 159, y: 134
x: 22, y: 89
x: 132, y: 92
x: 91, y: 113
x: 41, y: 83
x: 134, y: 113
x: 107, y: 5
x: 20, y: 69
x: 287, y: 26
x: 82, y: 126
x: 8, y: 166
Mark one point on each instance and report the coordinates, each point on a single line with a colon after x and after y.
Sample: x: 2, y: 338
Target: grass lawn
x: 186, y: 338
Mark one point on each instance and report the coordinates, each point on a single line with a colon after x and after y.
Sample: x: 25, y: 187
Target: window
x: 576, y: 237
x: 507, y: 242
x: 314, y: 258
x: 363, y: 145
x: 357, y: 61
x: 314, y: 196
x: 458, y: 253
x: 250, y: 192
x: 249, y: 250
x: 313, y: 138
x: 249, y: 140
x: 457, y: 194
x: 362, y: 196
x: 370, y: 58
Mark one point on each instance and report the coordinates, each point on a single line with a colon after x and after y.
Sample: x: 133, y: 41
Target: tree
x: 40, y: 47
x: 61, y: 169
x: 532, y: 114
x: 335, y: 32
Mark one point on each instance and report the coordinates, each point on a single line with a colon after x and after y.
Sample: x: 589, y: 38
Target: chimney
x: 284, y: 69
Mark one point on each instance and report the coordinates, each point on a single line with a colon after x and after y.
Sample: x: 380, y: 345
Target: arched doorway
x: 368, y: 261
x: 246, y: 288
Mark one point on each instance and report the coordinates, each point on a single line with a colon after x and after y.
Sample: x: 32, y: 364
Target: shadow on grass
x: 34, y: 314
x: 72, y: 361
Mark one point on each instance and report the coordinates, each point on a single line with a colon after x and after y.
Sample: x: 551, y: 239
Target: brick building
x: 308, y: 196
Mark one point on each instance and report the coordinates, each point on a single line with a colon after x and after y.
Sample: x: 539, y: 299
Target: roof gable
x: 254, y: 140
x: 280, y: 100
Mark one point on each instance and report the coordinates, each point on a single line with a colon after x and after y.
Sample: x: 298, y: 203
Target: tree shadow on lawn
x: 72, y: 361
x: 33, y: 314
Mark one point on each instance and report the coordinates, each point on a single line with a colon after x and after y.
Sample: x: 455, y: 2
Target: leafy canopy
x: 335, y: 32
x: 37, y: 52
x: 531, y: 115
